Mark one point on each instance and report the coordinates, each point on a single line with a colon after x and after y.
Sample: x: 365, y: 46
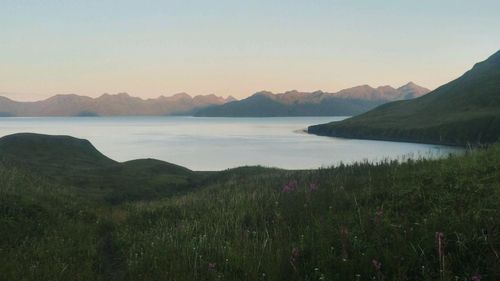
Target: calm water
x: 220, y: 143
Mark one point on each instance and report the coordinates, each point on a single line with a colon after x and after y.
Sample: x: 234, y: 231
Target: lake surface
x: 221, y: 143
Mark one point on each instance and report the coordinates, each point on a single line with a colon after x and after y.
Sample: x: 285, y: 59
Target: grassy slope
x: 70, y: 161
x: 466, y: 110
x: 48, y: 232
x: 240, y: 225
x: 252, y: 230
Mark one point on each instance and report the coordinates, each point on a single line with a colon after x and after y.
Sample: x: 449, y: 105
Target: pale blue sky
x: 150, y: 48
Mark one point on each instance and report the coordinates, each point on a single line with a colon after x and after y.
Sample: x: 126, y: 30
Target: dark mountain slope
x: 463, y: 111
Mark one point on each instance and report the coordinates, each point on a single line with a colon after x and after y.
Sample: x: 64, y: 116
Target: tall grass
x: 422, y: 220
x: 47, y: 232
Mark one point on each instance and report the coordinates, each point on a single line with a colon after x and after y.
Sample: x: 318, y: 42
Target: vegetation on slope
x: 419, y: 220
x: 76, y: 162
x: 48, y: 232
x: 464, y: 111
x: 422, y: 220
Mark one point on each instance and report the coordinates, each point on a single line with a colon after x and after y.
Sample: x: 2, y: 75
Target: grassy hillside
x: 70, y: 161
x: 48, y: 231
x: 357, y: 222
x: 464, y: 111
x: 420, y: 220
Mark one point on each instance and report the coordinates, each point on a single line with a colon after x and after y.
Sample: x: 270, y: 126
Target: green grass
x: 240, y: 224
x: 76, y: 162
x: 47, y: 232
x: 390, y: 213
x: 461, y: 112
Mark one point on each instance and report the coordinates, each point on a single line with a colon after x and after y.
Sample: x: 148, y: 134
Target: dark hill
x: 463, y: 111
x: 149, y: 166
x: 76, y: 162
x: 52, y: 150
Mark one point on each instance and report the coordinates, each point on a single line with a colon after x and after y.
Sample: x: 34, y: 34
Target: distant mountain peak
x: 109, y: 105
x: 123, y: 95
x: 263, y: 93
x: 66, y: 97
x: 385, y: 87
x: 364, y: 86
x: 230, y: 99
x: 118, y: 96
x: 181, y: 96
x: 319, y: 92
x: 411, y: 90
x: 410, y: 84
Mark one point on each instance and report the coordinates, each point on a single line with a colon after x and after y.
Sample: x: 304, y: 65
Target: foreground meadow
x: 418, y: 220
x: 422, y: 220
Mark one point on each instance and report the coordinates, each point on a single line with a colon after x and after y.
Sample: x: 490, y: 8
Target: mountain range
x: 463, y: 111
x: 110, y: 105
x: 350, y: 101
x: 347, y: 102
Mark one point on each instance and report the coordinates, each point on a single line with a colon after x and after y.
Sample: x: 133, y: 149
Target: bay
x: 221, y: 143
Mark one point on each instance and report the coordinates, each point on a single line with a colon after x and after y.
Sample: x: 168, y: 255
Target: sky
x: 227, y: 47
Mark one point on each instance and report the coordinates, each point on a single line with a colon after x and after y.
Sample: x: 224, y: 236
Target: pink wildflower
x: 293, y: 184
x: 290, y: 186
x: 212, y: 266
x: 376, y: 264
x: 313, y: 187
x: 295, y: 254
x: 476, y: 277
